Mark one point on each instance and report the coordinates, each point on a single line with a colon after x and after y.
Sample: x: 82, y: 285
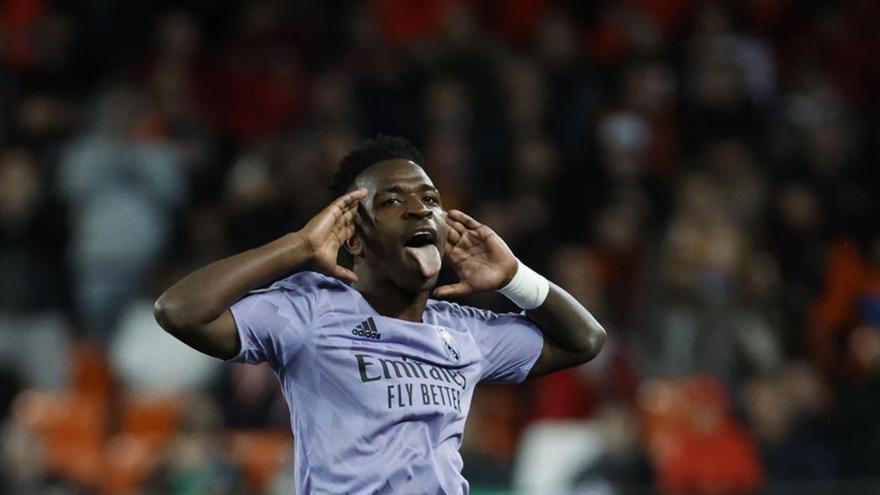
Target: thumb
x: 452, y: 290
x: 342, y: 273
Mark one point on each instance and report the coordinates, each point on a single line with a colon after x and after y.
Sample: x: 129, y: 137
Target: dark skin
x: 393, y: 198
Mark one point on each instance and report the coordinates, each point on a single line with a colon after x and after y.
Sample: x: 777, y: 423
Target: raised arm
x: 196, y: 309
x: 572, y: 336
x: 483, y: 261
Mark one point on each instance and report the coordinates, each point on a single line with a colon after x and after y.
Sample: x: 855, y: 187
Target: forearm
x: 567, y: 323
x: 205, y: 294
x: 563, y: 320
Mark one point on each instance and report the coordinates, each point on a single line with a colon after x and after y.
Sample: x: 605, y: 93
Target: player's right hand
x: 328, y: 230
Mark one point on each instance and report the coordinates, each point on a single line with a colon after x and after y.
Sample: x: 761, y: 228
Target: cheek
x: 385, y: 241
x: 382, y: 245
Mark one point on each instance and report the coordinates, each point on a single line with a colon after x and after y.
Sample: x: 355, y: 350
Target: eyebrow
x: 400, y: 190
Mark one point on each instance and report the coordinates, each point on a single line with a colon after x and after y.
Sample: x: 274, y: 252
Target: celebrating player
x: 377, y: 375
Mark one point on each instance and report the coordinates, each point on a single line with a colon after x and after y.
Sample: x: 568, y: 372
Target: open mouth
x: 422, y: 237
x: 422, y: 247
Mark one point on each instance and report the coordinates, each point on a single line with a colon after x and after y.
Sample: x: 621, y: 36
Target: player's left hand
x: 479, y: 256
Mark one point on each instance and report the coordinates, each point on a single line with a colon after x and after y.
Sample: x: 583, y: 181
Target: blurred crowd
x: 697, y: 173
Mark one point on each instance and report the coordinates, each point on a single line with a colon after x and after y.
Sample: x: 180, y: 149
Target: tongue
x: 428, y: 258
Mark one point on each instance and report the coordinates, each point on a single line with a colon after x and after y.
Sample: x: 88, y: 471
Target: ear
x: 354, y: 246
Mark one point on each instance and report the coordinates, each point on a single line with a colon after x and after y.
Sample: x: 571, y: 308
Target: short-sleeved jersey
x: 378, y: 404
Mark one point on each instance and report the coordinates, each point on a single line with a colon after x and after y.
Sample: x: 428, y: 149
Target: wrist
x: 293, y: 250
x: 527, y: 289
x: 511, y: 272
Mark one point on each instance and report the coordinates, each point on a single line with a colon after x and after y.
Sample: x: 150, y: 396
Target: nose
x: 416, y: 209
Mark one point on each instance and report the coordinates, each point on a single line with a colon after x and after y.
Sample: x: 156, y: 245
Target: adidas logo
x: 367, y: 329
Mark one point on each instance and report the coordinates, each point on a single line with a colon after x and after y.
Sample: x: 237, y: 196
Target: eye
x: 431, y: 200
x: 391, y: 201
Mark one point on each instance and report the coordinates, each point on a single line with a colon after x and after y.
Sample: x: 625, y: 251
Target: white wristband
x: 527, y: 289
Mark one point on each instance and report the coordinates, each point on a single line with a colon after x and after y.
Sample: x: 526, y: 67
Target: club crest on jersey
x: 449, y: 344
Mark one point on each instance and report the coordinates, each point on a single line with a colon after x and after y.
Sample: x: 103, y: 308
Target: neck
x: 390, y: 300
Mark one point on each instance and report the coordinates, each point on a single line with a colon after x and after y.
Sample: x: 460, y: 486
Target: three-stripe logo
x: 367, y: 328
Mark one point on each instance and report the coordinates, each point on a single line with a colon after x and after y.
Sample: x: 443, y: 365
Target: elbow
x: 167, y: 316
x: 592, y: 342
x: 595, y: 341
x: 161, y: 313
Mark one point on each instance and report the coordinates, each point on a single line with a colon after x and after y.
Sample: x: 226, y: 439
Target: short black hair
x: 368, y: 153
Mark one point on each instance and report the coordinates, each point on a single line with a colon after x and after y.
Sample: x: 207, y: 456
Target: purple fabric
x: 377, y: 404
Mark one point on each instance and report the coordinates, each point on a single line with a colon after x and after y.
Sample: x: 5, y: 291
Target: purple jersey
x: 378, y: 404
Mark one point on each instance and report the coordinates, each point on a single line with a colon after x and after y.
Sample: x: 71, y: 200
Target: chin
x: 424, y: 284
x: 415, y: 282
x: 430, y: 283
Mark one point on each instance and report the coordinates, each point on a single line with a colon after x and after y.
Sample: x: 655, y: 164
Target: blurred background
x: 699, y: 174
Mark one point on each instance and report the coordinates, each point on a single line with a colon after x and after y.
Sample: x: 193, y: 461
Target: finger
x: 344, y: 226
x: 468, y: 224
x: 454, y: 256
x: 348, y: 217
x: 462, y: 217
x: 343, y: 273
x: 339, y: 208
x: 346, y: 233
x: 457, y: 226
x: 452, y: 290
x: 363, y: 216
x: 452, y: 236
x: 348, y: 200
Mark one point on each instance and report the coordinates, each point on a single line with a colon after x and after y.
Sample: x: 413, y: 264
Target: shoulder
x: 311, y: 281
x: 311, y: 284
x: 454, y: 310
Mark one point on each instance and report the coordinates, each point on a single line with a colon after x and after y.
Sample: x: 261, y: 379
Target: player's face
x: 402, y: 224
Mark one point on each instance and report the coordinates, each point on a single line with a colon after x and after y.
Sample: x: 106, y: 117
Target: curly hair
x: 368, y: 153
